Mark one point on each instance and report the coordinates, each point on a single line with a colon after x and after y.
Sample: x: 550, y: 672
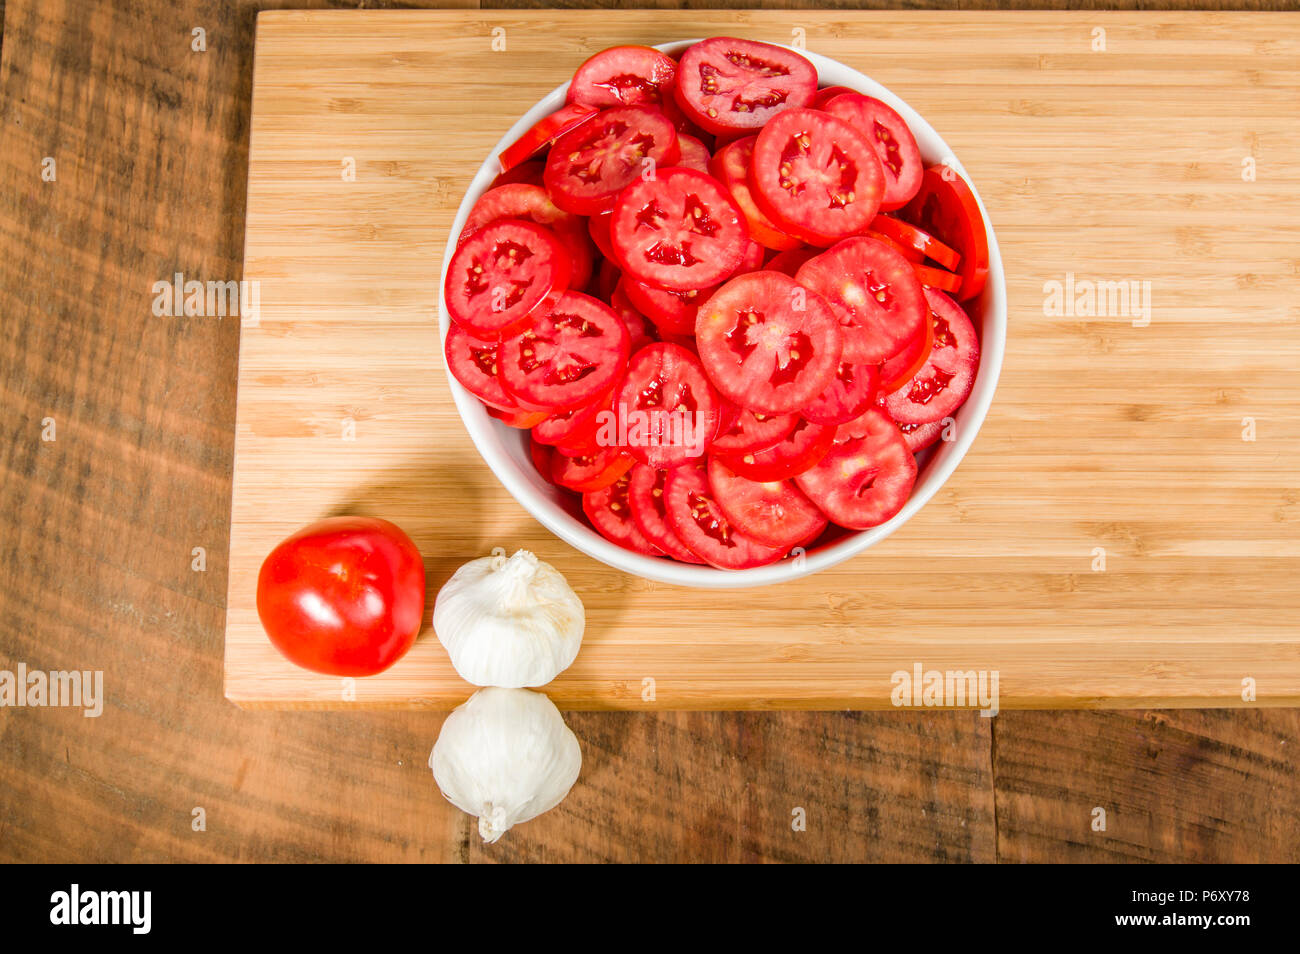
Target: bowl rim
x: 487, y: 433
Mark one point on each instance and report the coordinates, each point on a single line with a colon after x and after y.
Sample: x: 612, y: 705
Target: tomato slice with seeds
x: 923, y: 244
x: 540, y: 455
x: 544, y: 133
x: 699, y: 522
x: 639, y: 328
x: 624, y: 76
x: 563, y: 425
x: 775, y: 513
x: 878, y: 297
x: 501, y: 274
x: 520, y: 418
x: 863, y: 481
x: 590, y: 471
x: 804, y: 446
x: 895, y: 146
x: 767, y: 343
x: 911, y: 254
x: 751, y: 260
x: 945, y: 380
x: 679, y: 230
x: 851, y: 391
x: 945, y: 207
x: 900, y: 369
x: 920, y: 436
x: 816, y: 176
x: 525, y: 201
x: 589, y: 166
x: 694, y: 154
x: 610, y: 513
x: 938, y: 278
x: 753, y: 431
x: 791, y: 260
x: 828, y: 93
x: 474, y: 364
x: 730, y: 166
x: 725, y: 84
x: 573, y: 349
x: 649, y: 511
x: 667, y: 411
x: 529, y: 172
x: 672, y: 312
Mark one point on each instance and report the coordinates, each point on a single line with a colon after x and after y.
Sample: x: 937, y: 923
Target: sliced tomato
x: 591, y: 471
x: 803, y: 447
x: 606, y: 280
x: 673, y: 312
x: 730, y: 166
x: 851, y: 391
x: 590, y: 165
x: 751, y: 260
x: 668, y: 409
x: 752, y: 431
x: 649, y: 511
x: 694, y: 154
x: 725, y: 84
x: 946, y: 208
x: 474, y: 364
x: 598, y: 229
x: 501, y: 274
x: 816, y: 176
x: 899, y: 369
x: 520, y: 418
x: 879, y: 299
x: 791, y: 260
x: 523, y: 200
x: 767, y: 343
x: 775, y: 513
x: 920, y: 436
x: 921, y: 243
x: 863, y: 481
x: 640, y: 330
x: 544, y: 133
x: 624, y: 76
x: 699, y: 522
x: 610, y: 513
x: 895, y: 146
x: 563, y: 425
x: 573, y: 349
x: 529, y: 172
x: 911, y: 254
x: 678, y: 230
x: 939, y: 278
x: 540, y: 455
x: 826, y: 94
x: 945, y: 380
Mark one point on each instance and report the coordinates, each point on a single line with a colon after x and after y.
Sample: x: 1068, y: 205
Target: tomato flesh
x: 876, y: 293
x: 851, y: 391
x: 910, y: 238
x: 649, y: 511
x: 799, y: 450
x: 474, y: 364
x: 694, y: 154
x: 527, y: 201
x: 816, y: 176
x: 624, y: 76
x: 945, y: 380
x: 895, y: 146
x: 753, y: 431
x: 590, y: 165
x: 590, y: 471
x: 730, y: 166
x: 726, y: 84
x: 767, y: 343
x: 572, y: 350
x: 610, y: 512
x: 863, y: 481
x: 343, y: 596
x: 679, y: 230
x: 501, y: 274
x: 672, y: 312
x: 899, y: 369
x: 946, y: 208
x: 775, y: 513
x: 543, y: 133
x: 699, y: 522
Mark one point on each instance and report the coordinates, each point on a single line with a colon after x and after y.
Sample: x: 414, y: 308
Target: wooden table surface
x: 98, y: 530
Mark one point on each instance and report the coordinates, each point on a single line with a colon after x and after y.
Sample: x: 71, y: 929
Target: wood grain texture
x: 95, y: 543
x: 1107, y: 432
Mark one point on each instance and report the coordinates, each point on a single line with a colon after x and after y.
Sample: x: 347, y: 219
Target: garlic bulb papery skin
x: 509, y: 622
x: 505, y: 756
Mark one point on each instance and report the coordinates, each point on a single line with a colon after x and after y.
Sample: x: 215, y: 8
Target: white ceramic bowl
x: 506, y: 449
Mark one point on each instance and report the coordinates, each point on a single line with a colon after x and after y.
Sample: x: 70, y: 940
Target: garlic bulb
x: 505, y: 756
x: 509, y: 622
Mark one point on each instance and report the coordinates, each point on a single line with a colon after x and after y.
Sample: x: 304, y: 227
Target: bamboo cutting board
x: 1123, y: 531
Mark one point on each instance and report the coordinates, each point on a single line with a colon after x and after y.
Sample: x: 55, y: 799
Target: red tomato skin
x: 343, y: 596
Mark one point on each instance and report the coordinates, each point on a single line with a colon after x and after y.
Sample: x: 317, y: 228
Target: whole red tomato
x: 343, y: 596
